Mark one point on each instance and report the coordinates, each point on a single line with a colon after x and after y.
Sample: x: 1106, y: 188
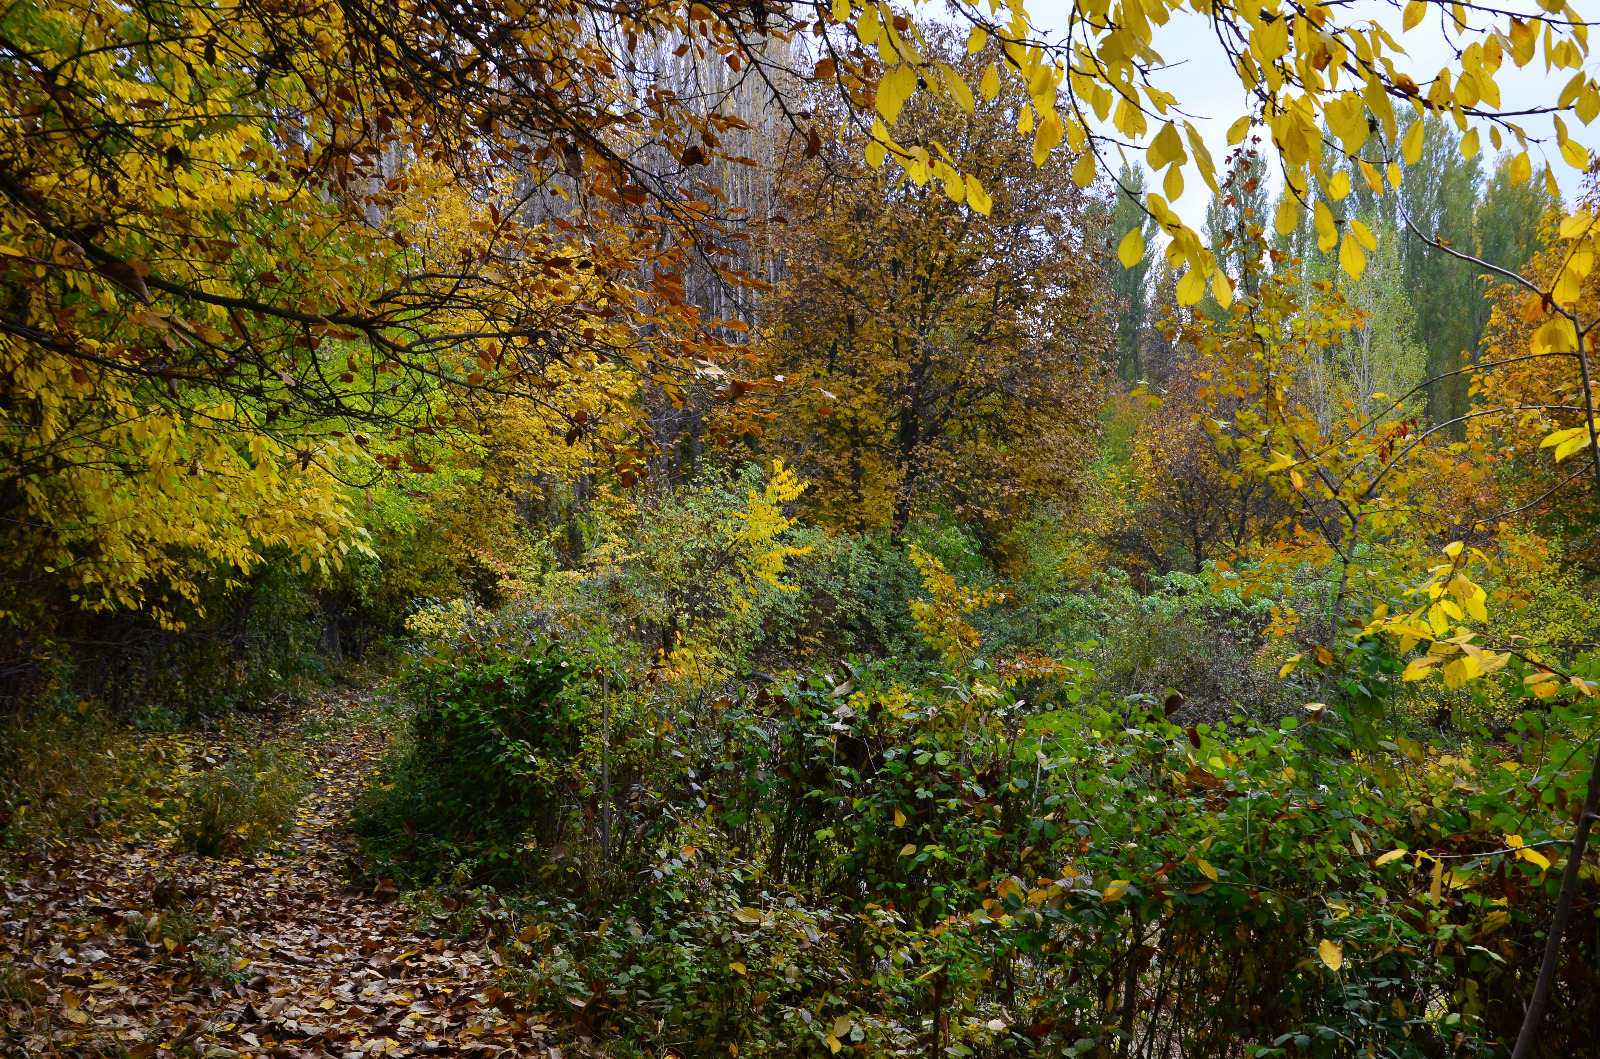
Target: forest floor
x: 272, y: 954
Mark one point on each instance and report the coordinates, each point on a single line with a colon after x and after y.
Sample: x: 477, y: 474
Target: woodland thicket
x: 861, y: 572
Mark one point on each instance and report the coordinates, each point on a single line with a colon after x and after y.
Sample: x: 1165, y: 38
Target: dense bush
x: 850, y: 597
x: 1005, y: 837
x: 494, y: 731
x: 845, y: 855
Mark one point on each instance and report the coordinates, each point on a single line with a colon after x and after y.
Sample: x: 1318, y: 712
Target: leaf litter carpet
x: 267, y: 955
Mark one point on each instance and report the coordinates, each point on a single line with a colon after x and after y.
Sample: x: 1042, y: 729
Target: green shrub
x: 850, y: 595
x: 243, y: 804
x: 492, y: 732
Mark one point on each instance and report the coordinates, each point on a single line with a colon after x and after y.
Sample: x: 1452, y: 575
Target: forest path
x: 275, y: 954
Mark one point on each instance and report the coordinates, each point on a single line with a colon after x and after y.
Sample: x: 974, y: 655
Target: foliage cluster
x: 853, y: 856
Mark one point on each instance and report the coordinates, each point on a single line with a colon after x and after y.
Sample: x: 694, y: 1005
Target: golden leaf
x: 1411, y: 146
x: 1131, y: 250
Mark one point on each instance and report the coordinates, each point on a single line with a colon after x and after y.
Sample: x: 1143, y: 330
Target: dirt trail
x: 269, y: 955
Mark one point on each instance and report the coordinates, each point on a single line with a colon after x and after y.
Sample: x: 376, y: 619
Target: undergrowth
x: 242, y: 804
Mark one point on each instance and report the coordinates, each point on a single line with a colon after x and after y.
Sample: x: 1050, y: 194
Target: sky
x: 1200, y: 76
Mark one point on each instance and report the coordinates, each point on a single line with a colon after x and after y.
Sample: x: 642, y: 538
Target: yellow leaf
x: 899, y: 818
x: 1117, y: 889
x: 1287, y: 217
x: 976, y: 40
x: 908, y: 849
x: 1351, y: 259
x: 736, y: 967
x: 1207, y: 870
x: 1327, y: 231
x: 1576, y: 154
x: 1534, y: 857
x: 989, y: 83
x: 1571, y: 228
x: 841, y: 10
x: 1438, y: 879
x: 1331, y: 954
x: 1458, y: 672
x: 1165, y: 147
x: 1238, y: 131
x: 1419, y: 667
x: 1556, y: 336
x: 1453, y: 550
x: 1047, y: 136
x: 1364, y: 235
x: 1370, y: 174
x: 1411, y: 146
x: 978, y: 198
x: 1415, y: 10
x: 833, y: 1044
x: 1561, y: 436
x: 1288, y: 666
x: 1173, y: 184
x: 1191, y: 287
x: 1469, y: 144
x: 1222, y: 287
x: 1339, y: 186
x: 867, y: 25
x: 1568, y: 289
x: 958, y: 89
x: 894, y: 88
x: 1577, y: 444
x: 1083, y: 170
x: 954, y: 187
x: 1131, y: 251
x: 1392, y: 855
x: 1521, y: 168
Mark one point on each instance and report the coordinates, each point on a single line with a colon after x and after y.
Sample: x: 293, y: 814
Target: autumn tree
x: 934, y: 356
x: 210, y: 289
x: 1520, y: 401
x: 1192, y: 500
x: 1239, y: 205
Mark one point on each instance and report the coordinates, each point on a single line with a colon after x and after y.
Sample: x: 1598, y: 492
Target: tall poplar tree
x: 1130, y: 287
